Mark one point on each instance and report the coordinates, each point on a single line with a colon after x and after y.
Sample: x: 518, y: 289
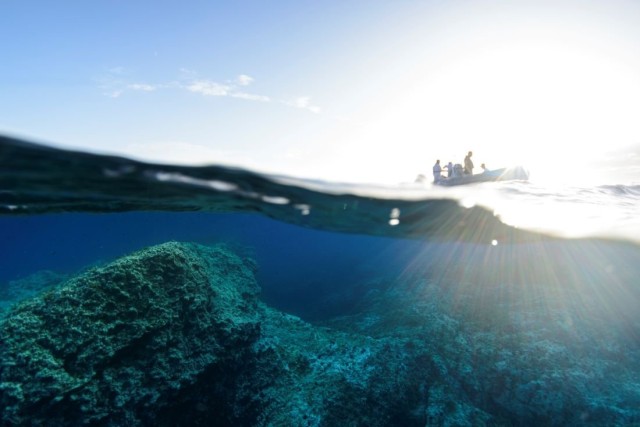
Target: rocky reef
x: 177, y: 334
x: 115, y: 345
x: 27, y: 287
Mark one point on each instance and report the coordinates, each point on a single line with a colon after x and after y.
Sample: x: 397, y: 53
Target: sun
x: 551, y: 108
x: 550, y: 103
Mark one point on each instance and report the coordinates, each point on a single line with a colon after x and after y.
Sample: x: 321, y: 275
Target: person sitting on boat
x: 484, y: 168
x: 468, y: 164
x: 457, y: 170
x: 437, y: 172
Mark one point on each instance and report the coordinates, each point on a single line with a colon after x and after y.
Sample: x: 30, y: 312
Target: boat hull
x: 505, y: 174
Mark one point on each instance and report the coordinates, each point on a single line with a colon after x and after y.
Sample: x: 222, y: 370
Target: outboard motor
x: 457, y: 170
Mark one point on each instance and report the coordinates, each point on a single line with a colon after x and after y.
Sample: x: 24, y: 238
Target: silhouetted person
x: 449, y: 169
x: 468, y: 164
x: 437, y: 171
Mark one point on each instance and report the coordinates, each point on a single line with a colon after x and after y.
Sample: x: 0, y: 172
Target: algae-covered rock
x: 27, y: 287
x: 115, y: 344
x: 175, y: 335
x: 501, y: 358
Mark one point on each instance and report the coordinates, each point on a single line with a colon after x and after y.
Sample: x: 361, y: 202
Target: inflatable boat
x: 505, y: 174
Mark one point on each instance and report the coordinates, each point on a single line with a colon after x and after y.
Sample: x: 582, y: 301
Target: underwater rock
x: 113, y: 345
x: 17, y: 290
x: 176, y: 335
x: 520, y: 360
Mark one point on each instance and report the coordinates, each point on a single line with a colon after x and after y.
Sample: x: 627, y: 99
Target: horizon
x: 359, y: 92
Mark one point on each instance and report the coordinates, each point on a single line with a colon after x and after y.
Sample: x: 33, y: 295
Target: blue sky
x: 361, y: 91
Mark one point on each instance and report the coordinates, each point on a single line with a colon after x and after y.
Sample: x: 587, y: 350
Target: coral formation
x: 176, y: 334
x: 27, y: 287
x: 116, y: 344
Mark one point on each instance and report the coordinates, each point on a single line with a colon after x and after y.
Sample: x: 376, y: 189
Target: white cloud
x: 142, y: 87
x: 244, y: 80
x: 304, y: 103
x: 209, y: 88
x: 250, y: 96
x: 115, y: 85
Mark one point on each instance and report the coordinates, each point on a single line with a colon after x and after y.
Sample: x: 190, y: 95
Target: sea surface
x: 552, y: 273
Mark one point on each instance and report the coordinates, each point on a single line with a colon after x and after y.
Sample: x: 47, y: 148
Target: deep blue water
x: 296, y: 264
x: 322, y: 249
x: 64, y: 211
x: 299, y: 268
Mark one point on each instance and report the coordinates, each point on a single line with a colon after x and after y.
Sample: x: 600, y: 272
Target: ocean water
x: 512, y: 303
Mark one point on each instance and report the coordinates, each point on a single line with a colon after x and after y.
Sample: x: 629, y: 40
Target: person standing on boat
x: 437, y: 172
x: 468, y: 164
x: 449, y: 168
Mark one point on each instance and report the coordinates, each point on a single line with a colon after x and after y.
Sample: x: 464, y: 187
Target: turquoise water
x: 496, y: 304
